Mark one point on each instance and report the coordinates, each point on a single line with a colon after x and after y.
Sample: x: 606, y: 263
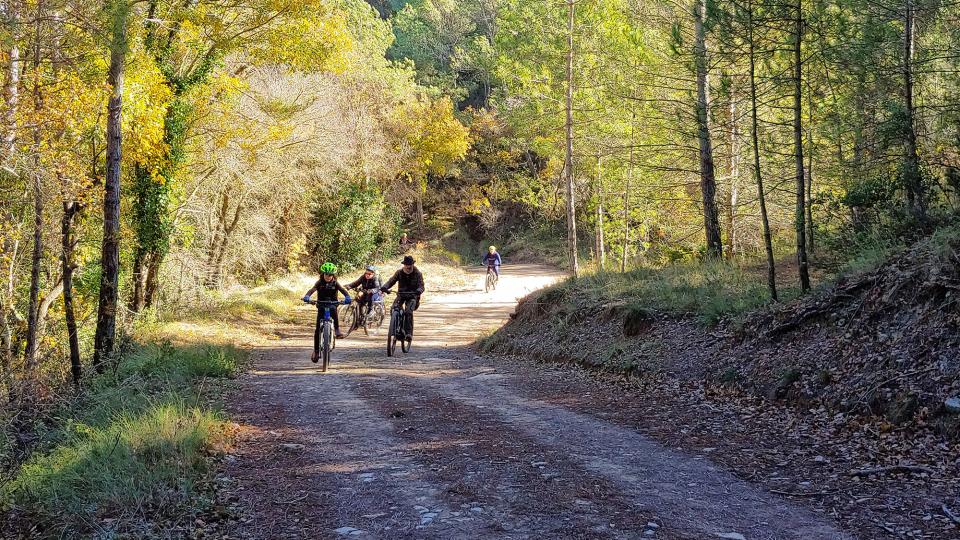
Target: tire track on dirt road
x: 374, y: 464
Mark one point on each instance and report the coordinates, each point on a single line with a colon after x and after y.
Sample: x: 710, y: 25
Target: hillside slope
x: 882, y: 343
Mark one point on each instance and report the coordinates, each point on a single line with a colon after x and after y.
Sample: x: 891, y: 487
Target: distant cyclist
x: 368, y: 284
x: 326, y: 289
x: 492, y: 260
x: 409, y: 283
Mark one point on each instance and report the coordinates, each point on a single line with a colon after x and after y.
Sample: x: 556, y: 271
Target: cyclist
x: 368, y: 284
x: 492, y: 260
x: 326, y: 289
x: 410, y: 281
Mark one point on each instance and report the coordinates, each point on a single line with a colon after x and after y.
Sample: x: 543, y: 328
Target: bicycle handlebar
x: 325, y: 303
x: 398, y: 293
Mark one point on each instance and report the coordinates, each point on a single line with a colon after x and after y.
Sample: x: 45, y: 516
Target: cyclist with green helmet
x: 326, y: 289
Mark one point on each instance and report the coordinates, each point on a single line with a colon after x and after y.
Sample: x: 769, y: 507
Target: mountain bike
x: 401, y: 329
x: 492, y: 279
x: 355, y: 315
x: 328, y: 338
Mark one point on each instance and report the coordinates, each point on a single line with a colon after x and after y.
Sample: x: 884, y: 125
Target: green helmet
x: 328, y: 268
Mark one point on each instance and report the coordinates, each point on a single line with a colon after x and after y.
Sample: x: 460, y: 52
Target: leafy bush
x: 353, y: 226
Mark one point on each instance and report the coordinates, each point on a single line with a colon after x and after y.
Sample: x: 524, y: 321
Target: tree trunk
x: 810, y: 148
x: 30, y: 352
x: 571, y: 192
x: 12, y: 87
x: 733, y: 193
x: 798, y: 150
x: 757, y: 174
x: 70, y: 210
x: 708, y: 183
x: 916, y: 199
x: 626, y: 197
x: 152, y: 280
x: 105, y: 337
x: 601, y: 248
x: 6, y: 310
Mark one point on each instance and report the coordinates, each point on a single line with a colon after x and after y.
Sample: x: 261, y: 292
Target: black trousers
x: 408, y: 305
x: 316, y: 332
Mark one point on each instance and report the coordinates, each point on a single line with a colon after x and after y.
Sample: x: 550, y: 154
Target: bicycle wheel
x: 408, y: 337
x: 392, y: 333
x: 489, y: 283
x: 326, y: 345
x: 348, y: 318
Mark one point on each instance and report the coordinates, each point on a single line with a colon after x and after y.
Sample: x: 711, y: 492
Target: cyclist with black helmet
x: 326, y: 288
x: 410, y: 286
x: 368, y: 284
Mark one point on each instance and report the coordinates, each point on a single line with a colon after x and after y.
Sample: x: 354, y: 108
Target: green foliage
x: 353, y: 226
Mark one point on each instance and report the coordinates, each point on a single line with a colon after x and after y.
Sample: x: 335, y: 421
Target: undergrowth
x: 710, y: 291
x: 131, y: 450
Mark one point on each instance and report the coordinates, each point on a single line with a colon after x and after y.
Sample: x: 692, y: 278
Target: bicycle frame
x: 327, y: 338
x: 398, y: 323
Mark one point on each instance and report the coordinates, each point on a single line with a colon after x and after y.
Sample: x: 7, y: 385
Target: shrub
x: 353, y: 226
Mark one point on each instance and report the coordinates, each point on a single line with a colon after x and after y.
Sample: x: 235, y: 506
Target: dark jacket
x: 327, y: 291
x: 365, y: 284
x: 407, y: 283
x: 492, y: 259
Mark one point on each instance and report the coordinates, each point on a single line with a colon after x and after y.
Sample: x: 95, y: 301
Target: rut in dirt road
x: 440, y: 443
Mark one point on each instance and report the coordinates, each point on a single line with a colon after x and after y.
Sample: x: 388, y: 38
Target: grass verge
x: 130, y: 456
x: 710, y: 291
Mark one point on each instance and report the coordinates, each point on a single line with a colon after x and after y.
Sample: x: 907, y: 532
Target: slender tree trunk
x: 708, y: 183
x: 733, y: 193
x: 30, y: 352
x: 105, y: 337
x: 6, y: 311
x: 626, y: 197
x: 798, y: 149
x: 70, y: 210
x: 153, y: 282
x: 810, y: 149
x: 12, y: 87
x: 601, y: 248
x: 571, y: 192
x: 757, y: 173
x: 916, y: 199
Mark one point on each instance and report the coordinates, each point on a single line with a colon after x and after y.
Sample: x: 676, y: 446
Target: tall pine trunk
x: 708, y: 182
x: 627, y: 199
x: 571, y: 191
x: 105, y: 338
x: 12, y: 83
x: 70, y: 210
x: 600, y: 244
x: 810, y: 149
x: 33, y: 309
x: 757, y: 173
x: 733, y: 193
x: 913, y: 183
x: 801, y: 228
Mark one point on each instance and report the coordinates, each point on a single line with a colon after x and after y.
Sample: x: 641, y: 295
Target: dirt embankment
x: 883, y: 344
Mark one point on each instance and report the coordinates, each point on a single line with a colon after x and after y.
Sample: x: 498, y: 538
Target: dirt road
x: 443, y: 443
